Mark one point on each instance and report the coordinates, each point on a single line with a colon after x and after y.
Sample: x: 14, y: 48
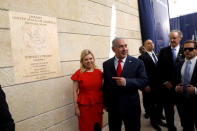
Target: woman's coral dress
x: 89, y: 98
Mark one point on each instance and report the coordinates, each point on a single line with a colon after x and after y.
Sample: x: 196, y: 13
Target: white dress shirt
x: 151, y: 55
x: 122, y: 65
x: 176, y: 49
x: 193, y: 63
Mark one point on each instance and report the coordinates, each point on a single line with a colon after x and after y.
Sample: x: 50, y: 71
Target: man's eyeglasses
x: 190, y: 49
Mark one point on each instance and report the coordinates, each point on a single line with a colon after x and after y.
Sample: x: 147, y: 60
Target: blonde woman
x: 87, y: 82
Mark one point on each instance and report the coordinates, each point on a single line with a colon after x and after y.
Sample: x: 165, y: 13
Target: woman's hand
x: 77, y: 111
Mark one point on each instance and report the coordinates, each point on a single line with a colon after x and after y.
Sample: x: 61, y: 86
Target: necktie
x: 186, y: 78
x: 174, y: 54
x: 119, y: 68
x: 154, y: 57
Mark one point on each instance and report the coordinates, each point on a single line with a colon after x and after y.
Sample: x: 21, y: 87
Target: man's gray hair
x: 114, y: 41
x: 179, y: 33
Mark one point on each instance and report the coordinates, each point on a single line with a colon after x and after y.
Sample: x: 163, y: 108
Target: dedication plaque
x: 35, y: 47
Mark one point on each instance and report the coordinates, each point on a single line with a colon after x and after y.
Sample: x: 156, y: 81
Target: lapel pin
x: 130, y: 61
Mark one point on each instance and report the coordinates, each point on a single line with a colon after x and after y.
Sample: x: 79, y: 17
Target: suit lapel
x: 150, y: 58
x: 180, y: 54
x: 112, y: 67
x: 170, y: 53
x: 126, y: 66
x: 194, y: 77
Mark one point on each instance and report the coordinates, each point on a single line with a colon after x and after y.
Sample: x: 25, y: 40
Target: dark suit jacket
x: 150, y: 67
x: 166, y: 72
x: 6, y: 121
x: 125, y: 99
x: 165, y: 64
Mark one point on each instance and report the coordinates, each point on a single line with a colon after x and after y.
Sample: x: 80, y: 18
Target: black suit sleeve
x: 6, y: 121
x: 105, y: 88
x: 141, y: 80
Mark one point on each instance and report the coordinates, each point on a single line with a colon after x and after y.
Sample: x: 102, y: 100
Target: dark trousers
x: 152, y: 107
x: 169, y: 114
x: 131, y: 123
x: 146, y: 102
x: 7, y: 127
x: 6, y: 121
x: 188, y: 114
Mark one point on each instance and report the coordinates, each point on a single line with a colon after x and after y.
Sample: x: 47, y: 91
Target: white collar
x: 192, y: 60
x: 123, y: 60
x: 150, y: 52
x: 176, y: 48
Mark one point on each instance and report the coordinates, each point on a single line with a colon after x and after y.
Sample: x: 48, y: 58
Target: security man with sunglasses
x: 166, y: 67
x: 187, y: 87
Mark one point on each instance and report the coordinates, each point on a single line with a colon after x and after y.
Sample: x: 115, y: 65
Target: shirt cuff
x: 195, y: 90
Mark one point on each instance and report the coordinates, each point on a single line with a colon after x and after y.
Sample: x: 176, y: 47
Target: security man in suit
x: 123, y: 76
x: 6, y: 121
x: 150, y: 93
x: 187, y: 87
x: 166, y: 67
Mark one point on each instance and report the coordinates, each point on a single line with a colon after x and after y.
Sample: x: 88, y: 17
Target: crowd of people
x: 172, y: 82
x: 166, y: 80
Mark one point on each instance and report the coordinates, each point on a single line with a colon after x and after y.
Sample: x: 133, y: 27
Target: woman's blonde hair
x: 83, y: 54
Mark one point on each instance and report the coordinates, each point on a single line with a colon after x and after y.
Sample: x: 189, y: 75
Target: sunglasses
x: 190, y: 49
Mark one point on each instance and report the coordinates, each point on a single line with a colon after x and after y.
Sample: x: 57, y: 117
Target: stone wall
x: 48, y: 104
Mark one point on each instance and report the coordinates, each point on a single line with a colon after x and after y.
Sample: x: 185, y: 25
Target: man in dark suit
x: 187, y: 87
x: 6, y: 121
x: 123, y: 76
x: 166, y: 67
x: 150, y: 93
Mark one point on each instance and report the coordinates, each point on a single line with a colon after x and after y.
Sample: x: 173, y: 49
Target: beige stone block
x: 35, y: 7
x: 132, y: 3
x: 30, y: 99
x: 4, y: 20
x: 46, y: 120
x: 7, y: 76
x: 80, y: 10
x: 126, y: 8
x: 127, y: 21
x: 99, y: 63
x: 71, y: 46
x: 129, y: 34
x: 129, y: 6
x: 82, y: 28
x: 68, y: 125
x: 133, y: 46
x: 104, y: 2
x: 83, y: 10
x: 5, y: 48
x: 70, y: 67
x: 99, y: 14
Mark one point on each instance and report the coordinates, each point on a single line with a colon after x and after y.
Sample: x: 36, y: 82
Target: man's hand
x: 105, y: 108
x: 168, y: 85
x: 179, y: 88
x: 147, y: 89
x: 120, y: 81
x: 190, y: 89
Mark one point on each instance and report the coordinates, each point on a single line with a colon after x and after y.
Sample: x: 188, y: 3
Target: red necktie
x: 119, y: 68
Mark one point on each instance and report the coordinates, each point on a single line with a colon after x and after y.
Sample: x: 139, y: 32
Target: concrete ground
x: 145, y: 123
